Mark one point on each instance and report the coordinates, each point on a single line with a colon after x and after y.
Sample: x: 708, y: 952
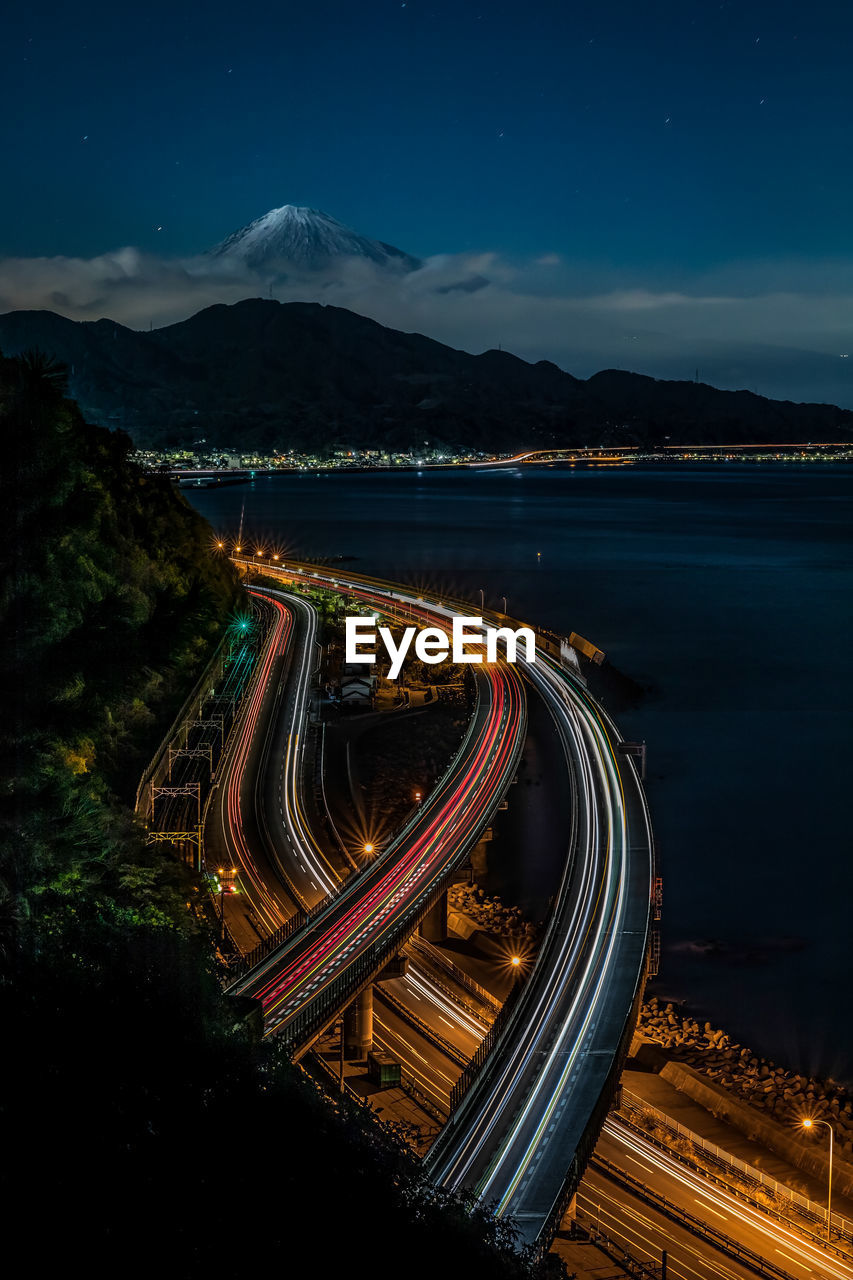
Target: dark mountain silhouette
x: 264, y: 374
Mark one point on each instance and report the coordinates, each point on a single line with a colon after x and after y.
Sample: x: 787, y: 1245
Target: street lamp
x: 808, y: 1124
x: 482, y: 598
x: 368, y: 849
x: 504, y: 600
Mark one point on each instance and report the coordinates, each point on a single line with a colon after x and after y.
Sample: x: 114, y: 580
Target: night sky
x: 656, y: 185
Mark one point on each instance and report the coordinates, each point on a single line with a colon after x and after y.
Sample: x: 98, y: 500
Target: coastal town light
x: 809, y: 1123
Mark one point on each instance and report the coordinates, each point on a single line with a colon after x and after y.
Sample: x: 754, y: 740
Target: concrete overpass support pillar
x: 433, y: 927
x: 480, y: 855
x: 358, y: 1026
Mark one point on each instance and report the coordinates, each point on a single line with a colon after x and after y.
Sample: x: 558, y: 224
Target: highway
x: 378, y: 907
x: 254, y: 819
x: 641, y: 1224
x: 272, y: 780
x: 527, y: 1114
x: 521, y: 1135
x: 305, y: 866
x: 234, y: 825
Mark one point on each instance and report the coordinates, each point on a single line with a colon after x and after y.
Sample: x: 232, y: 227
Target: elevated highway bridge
x: 524, y: 1126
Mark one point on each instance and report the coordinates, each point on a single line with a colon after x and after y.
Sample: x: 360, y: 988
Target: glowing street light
x: 368, y: 849
x: 808, y: 1124
x: 515, y: 961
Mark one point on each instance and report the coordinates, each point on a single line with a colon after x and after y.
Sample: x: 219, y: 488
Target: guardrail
x: 311, y: 1019
x: 437, y: 957
x: 615, y: 1251
x: 484, y: 1048
x: 268, y: 944
x: 754, y: 1261
x: 634, y: 1105
x: 426, y: 1104
x: 418, y: 1024
x: 586, y: 1146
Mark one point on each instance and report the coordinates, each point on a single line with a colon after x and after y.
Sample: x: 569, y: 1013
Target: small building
x: 358, y: 686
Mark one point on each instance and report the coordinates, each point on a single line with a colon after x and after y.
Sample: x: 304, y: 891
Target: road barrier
x: 267, y: 945
x: 484, y: 1048
x: 434, y: 955
x: 754, y: 1261
x: 615, y: 1251
x: 633, y: 1107
x: 429, y: 1033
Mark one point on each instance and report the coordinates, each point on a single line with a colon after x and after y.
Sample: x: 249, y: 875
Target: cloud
x: 781, y: 328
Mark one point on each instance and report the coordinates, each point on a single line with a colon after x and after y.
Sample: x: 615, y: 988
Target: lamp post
x: 482, y: 598
x: 809, y: 1124
x: 504, y: 600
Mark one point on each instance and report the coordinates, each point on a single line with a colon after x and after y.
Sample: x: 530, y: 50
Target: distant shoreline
x: 215, y: 478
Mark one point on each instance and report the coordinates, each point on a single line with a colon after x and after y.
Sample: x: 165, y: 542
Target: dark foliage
x: 110, y: 605
x: 146, y: 1130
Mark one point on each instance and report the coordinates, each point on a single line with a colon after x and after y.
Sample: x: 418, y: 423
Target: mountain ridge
x: 260, y: 374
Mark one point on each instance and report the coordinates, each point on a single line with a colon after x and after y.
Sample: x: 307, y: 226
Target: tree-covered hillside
x: 110, y: 605
x: 145, y: 1130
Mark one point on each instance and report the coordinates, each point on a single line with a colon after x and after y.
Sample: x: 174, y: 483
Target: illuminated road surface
x: 645, y: 1231
x: 584, y: 957
x: 523, y: 1128
x: 300, y: 859
x: 522, y: 1131
x: 267, y: 774
x: 377, y: 908
x: 233, y: 829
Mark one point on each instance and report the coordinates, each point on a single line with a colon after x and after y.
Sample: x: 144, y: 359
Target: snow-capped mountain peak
x: 306, y: 238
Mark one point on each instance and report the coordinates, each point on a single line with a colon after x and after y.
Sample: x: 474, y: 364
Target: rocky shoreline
x: 786, y: 1095
x: 489, y: 914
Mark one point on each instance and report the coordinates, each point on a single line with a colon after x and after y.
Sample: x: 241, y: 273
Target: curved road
x: 522, y: 1134
x: 377, y: 908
